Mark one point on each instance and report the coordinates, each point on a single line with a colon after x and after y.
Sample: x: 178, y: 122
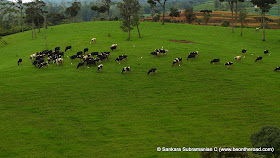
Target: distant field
x: 61, y: 111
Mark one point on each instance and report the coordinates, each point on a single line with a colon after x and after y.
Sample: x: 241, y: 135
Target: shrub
x: 225, y: 23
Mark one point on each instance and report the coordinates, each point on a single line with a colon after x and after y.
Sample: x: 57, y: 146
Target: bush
x: 225, y: 23
x: 156, y: 18
x: 199, y: 21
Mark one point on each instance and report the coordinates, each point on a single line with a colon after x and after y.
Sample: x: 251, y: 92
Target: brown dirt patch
x: 181, y: 41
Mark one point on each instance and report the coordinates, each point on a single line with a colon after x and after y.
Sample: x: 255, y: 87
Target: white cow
x: 93, y: 40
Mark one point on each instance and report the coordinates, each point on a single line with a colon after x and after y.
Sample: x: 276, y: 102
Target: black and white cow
x: 19, y: 61
x: 79, y: 53
x: 277, y: 68
x: 258, y: 58
x: 113, y: 46
x: 93, y: 40
x: 154, y: 53
x: 57, y: 49
x: 73, y: 57
x: 154, y: 70
x: 125, y: 69
x: 228, y: 63
x: 99, y: 67
x: 191, y: 56
x: 243, y: 51
x: 85, y: 50
x: 265, y: 51
x: 94, y: 53
x: 176, y: 61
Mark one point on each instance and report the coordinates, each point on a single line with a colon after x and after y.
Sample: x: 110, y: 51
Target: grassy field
x: 61, y: 111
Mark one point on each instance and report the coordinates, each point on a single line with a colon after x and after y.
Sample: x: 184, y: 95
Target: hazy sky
x: 24, y: 1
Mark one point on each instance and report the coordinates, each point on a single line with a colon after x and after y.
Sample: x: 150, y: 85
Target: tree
x: 128, y: 8
x: 73, y: 10
x: 190, y: 16
x: 152, y: 6
x: 20, y: 7
x: 174, y: 12
x: 216, y: 4
x: 135, y: 16
x: 107, y: 5
x: 267, y: 137
x: 31, y: 12
x: 236, y: 9
x: 230, y: 2
x: 162, y: 4
x: 99, y: 10
x: 264, y: 5
x: 243, y: 15
x: 39, y: 4
x: 55, y: 18
x: 206, y: 15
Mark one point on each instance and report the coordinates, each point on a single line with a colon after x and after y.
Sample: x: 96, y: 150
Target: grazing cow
x: 68, y: 48
x: 191, y: 56
x: 113, y: 46
x: 93, y: 40
x: 58, y: 61
x: 73, y: 57
x: 80, y: 64
x: 214, y: 61
x: 125, y: 69
x: 154, y: 53
x: 119, y: 58
x: 195, y: 53
x: 161, y: 50
x: 277, y: 68
x: 19, y: 61
x: 85, y: 50
x: 57, y: 49
x: 257, y: 29
x: 176, y: 60
x: 237, y: 58
x: 79, y: 53
x: 228, y: 63
x: 90, y: 61
x: 60, y: 54
x: 108, y: 53
x: 99, y: 67
x: 265, y: 51
x: 43, y: 64
x: 154, y: 70
x: 258, y: 58
x: 94, y: 53
x: 123, y: 56
x: 33, y: 56
x: 244, y: 51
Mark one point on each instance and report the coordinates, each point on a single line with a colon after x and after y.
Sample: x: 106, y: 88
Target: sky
x: 24, y: 1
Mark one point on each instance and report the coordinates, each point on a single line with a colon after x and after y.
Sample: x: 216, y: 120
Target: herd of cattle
x: 46, y: 57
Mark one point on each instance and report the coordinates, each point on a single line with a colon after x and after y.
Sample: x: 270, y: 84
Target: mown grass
x: 64, y: 112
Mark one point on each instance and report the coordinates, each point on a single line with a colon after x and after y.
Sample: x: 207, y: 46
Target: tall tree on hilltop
x: 206, y: 15
x: 73, y: 10
x: 264, y: 5
x: 230, y: 2
x: 243, y: 15
x: 236, y: 9
x: 135, y: 16
x: 31, y: 12
x: 152, y: 6
x: 162, y: 3
x: 107, y: 5
x: 189, y: 14
x: 174, y: 12
x: 40, y: 12
x: 20, y: 7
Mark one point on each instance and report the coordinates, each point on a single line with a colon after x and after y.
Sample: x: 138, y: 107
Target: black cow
x: 277, y: 68
x: 43, y: 64
x: 258, y: 58
x: 85, y: 50
x: 57, y: 49
x: 90, y: 62
x: 154, y: 53
x: 123, y: 56
x: 99, y: 67
x: 80, y: 64
x: 265, y: 51
x: 119, y: 58
x: 191, y: 56
x: 19, y: 61
x: 215, y: 61
x: 94, y: 53
x: 73, y: 57
x: 154, y: 70
x: 79, y: 53
x: 68, y: 48
x: 60, y: 54
x: 244, y: 51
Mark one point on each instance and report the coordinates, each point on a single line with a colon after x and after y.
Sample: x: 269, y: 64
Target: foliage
x: 174, y: 12
x: 73, y: 10
x: 55, y: 18
x: 267, y: 137
x: 225, y: 23
x: 190, y: 16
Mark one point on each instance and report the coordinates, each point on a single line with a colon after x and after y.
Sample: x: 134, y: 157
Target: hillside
x: 61, y: 111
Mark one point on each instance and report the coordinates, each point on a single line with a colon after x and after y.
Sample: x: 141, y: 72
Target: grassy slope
x: 61, y: 111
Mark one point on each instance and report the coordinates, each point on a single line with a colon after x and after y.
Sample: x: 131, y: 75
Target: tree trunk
x: 236, y: 3
x: 163, y: 7
x: 32, y: 28
x: 45, y: 26
x: 241, y: 27
x: 128, y: 29
x: 108, y: 12
x: 263, y: 37
x: 139, y: 35
x: 21, y: 14
x: 38, y: 24
x: 231, y: 8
